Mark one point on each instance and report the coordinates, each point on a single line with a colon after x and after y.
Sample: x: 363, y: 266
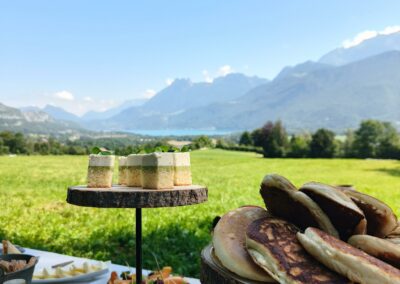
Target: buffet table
x: 47, y: 259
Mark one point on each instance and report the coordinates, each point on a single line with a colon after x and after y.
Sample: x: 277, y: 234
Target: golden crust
x: 273, y: 244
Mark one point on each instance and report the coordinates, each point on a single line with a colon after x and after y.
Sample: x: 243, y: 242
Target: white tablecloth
x: 47, y: 259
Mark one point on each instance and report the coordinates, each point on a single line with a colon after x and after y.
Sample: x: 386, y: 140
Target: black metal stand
x: 131, y: 197
x: 138, y: 245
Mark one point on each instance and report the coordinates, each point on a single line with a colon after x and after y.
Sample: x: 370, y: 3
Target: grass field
x: 34, y: 212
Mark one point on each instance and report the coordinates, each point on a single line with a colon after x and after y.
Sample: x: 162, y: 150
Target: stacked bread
x: 316, y: 234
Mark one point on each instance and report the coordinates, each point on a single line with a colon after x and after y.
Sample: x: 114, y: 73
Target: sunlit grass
x: 34, y: 212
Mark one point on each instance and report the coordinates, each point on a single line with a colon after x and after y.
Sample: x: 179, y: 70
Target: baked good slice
x: 9, y: 248
x: 158, y: 171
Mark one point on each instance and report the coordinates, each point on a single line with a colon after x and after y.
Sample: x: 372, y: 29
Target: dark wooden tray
x: 132, y: 197
x: 212, y: 271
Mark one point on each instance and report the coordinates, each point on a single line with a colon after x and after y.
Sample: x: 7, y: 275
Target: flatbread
x: 346, y: 260
x: 273, y: 245
x: 381, y: 220
x: 380, y: 248
x: 344, y: 214
x: 283, y: 200
x: 229, y: 242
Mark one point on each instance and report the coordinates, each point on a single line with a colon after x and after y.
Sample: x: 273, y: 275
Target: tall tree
x: 245, y: 139
x: 367, y: 138
x: 274, y: 139
x: 322, y: 144
x: 299, y: 146
x: 257, y: 137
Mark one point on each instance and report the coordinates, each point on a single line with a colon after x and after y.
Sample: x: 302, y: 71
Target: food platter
x: 213, y: 272
x: 134, y: 197
x: 77, y: 278
x: 295, y: 237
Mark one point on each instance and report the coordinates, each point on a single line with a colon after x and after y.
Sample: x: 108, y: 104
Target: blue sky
x: 85, y: 55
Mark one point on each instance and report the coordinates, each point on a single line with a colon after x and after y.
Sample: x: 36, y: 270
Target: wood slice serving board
x: 132, y: 197
x: 212, y: 271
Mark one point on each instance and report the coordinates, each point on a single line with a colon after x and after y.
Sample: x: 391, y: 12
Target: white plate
x: 82, y: 277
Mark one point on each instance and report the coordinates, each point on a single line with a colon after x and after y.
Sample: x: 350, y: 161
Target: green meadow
x: 34, y: 212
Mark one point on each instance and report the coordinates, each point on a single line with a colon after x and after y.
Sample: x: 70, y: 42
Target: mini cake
x: 122, y: 171
x: 158, y: 171
x: 134, y: 166
x: 100, y: 171
x: 182, y: 173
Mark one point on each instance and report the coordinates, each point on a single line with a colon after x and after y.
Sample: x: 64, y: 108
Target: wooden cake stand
x: 131, y: 197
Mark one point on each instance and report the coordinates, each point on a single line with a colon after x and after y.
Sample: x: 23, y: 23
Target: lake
x: 182, y: 132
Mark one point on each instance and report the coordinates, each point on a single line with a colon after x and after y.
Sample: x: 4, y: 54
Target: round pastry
x: 381, y: 220
x: 344, y: 214
x: 380, y: 248
x: 229, y: 242
x: 283, y: 200
x: 273, y: 245
x: 347, y: 260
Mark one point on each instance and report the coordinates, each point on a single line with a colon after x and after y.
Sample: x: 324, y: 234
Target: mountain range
x: 33, y: 120
x: 345, y: 86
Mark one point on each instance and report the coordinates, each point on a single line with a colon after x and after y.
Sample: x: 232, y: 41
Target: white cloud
x: 149, y: 93
x: 169, y: 81
x: 222, y: 71
x: 359, y: 38
x: 390, y: 30
x: 225, y: 70
x: 87, y: 99
x: 64, y: 95
x: 207, y: 76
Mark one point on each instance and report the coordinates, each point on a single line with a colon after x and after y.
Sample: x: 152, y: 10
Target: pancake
x: 273, y: 245
x: 283, y: 200
x: 395, y: 233
x: 344, y: 214
x: 347, y: 260
x: 229, y: 242
x: 394, y: 240
x: 380, y: 218
x: 377, y: 247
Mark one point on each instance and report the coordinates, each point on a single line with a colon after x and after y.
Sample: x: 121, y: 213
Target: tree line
x: 20, y: 144
x: 372, y: 139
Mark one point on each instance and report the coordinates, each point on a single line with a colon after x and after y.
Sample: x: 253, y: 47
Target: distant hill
x: 59, y: 113
x: 367, y: 48
x: 34, y: 121
x: 96, y: 115
x: 332, y: 97
x: 181, y: 96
